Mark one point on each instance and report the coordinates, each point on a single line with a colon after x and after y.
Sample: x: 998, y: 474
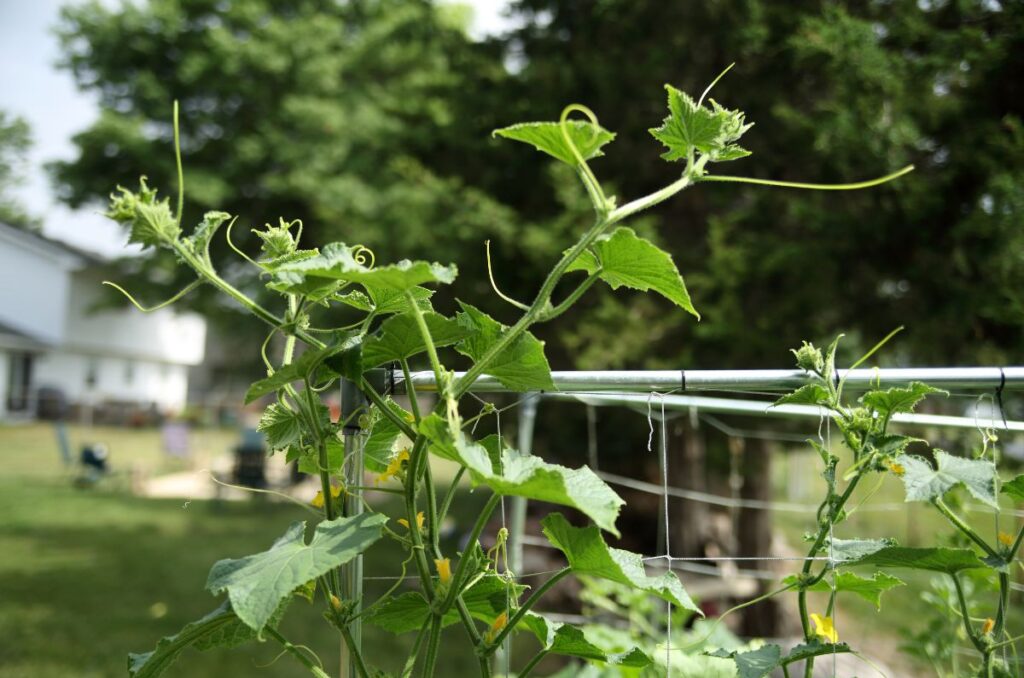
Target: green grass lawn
x: 88, y: 575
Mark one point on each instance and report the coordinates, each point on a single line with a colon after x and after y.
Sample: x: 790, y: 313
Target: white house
x: 52, y: 338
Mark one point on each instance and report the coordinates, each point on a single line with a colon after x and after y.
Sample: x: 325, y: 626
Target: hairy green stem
x: 959, y: 524
x: 433, y: 642
x: 410, y: 662
x: 296, y: 652
x: 460, y: 572
x: 353, y: 649
x: 962, y: 600
x: 532, y: 664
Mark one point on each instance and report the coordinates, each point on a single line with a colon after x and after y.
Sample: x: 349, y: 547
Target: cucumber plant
x: 397, y: 323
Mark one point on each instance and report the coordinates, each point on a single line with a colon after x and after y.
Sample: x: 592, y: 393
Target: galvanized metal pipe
x: 950, y: 378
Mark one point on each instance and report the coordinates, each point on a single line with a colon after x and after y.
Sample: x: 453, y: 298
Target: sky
x: 32, y: 87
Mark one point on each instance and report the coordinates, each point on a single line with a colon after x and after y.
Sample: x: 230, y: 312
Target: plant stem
x: 959, y: 523
x: 966, y: 615
x: 460, y: 572
x: 532, y: 664
x: 428, y: 340
x: 410, y: 662
x: 353, y: 649
x: 296, y: 652
x: 525, y: 607
x: 432, y: 644
x: 450, y: 494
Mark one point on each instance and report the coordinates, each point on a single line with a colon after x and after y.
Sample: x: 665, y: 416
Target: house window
x: 19, y: 381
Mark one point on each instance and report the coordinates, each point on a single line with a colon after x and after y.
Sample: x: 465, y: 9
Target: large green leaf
x: 764, y: 660
x: 1014, y: 488
x: 588, y: 554
x: 870, y: 590
x: 571, y: 641
x: 339, y: 262
x: 849, y: 550
x: 485, y: 600
x: 384, y: 433
x: 304, y: 366
x: 280, y: 426
x: 384, y: 300
x: 925, y: 483
x: 309, y: 457
x: 808, y: 394
x: 400, y: 337
x: 894, y: 400
x: 548, y: 138
x: 521, y: 366
x: 257, y: 584
x: 947, y: 560
x: 220, y: 628
x: 525, y: 475
x: 627, y: 260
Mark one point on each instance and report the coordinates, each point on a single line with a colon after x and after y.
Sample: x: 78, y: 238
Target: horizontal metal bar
x: 761, y: 408
x: 951, y: 378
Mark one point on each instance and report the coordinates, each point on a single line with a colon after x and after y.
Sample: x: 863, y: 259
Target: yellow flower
x: 987, y: 627
x: 499, y: 623
x: 897, y: 468
x: 444, y: 570
x: 1005, y: 539
x: 318, y: 500
x: 419, y: 521
x: 823, y: 627
x: 335, y: 603
x: 394, y: 467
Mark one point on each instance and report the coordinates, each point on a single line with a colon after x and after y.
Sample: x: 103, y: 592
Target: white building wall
x: 33, y: 289
x: 165, y: 335
x: 113, y: 379
x: 5, y: 363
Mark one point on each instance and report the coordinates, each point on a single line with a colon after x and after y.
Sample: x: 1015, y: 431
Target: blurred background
x: 370, y: 121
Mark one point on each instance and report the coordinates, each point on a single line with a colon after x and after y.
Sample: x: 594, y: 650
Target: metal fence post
x: 353, y: 402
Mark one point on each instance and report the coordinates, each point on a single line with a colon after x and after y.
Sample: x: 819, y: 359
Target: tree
x: 15, y: 140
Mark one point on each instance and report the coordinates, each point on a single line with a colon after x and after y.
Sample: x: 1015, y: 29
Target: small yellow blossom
x: 318, y: 500
x: 499, y: 623
x: 1005, y: 539
x: 335, y: 603
x: 823, y: 627
x: 897, y: 468
x: 394, y: 467
x: 419, y: 521
x: 444, y: 570
x: 987, y: 627
x: 409, y: 417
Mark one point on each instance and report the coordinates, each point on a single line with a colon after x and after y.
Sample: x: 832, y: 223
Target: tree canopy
x: 370, y: 121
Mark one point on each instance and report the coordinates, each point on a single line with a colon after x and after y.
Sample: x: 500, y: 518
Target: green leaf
x: 257, y: 584
x: 547, y: 137
x: 384, y: 433
x: 894, y: 400
x: 870, y: 590
x: 571, y: 641
x: 281, y: 426
x: 946, y: 560
x: 149, y: 219
x: 925, y: 483
x: 338, y: 355
x: 526, y: 475
x: 521, y: 366
x: 485, y: 600
x: 199, y: 241
x: 808, y: 394
x: 400, y: 338
x: 220, y: 628
x: 850, y: 550
x: 627, y: 260
x: 384, y: 300
x: 753, y: 663
x: 588, y: 554
x: 1014, y: 488
x: 688, y: 127
x: 339, y: 262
